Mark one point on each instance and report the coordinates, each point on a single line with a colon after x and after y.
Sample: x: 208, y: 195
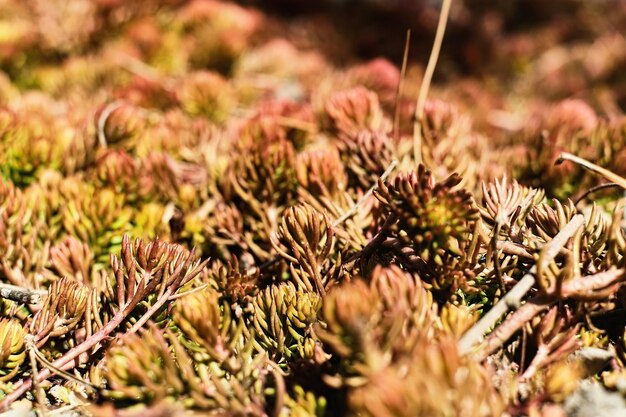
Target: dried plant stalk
x: 514, y: 297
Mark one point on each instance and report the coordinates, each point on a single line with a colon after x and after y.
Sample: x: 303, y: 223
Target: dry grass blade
x: 428, y: 76
x: 396, y: 115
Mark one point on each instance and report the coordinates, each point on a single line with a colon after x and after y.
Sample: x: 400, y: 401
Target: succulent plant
x: 366, y: 154
x: 117, y: 169
x: 120, y: 121
x: 457, y: 319
x: 12, y: 348
x: 321, y: 173
x: 435, y: 381
x: 267, y: 172
x: 142, y: 368
x: 350, y: 313
x: 62, y: 311
x: 404, y: 295
x: 171, y: 181
x: 283, y: 320
x: 367, y: 328
x: 217, y: 229
x: 378, y: 75
x: 280, y: 120
x: 507, y: 202
x: 208, y: 324
x: 305, y: 238
x: 28, y: 148
x: 98, y: 217
x: 431, y: 215
x: 206, y: 93
x: 151, y: 221
x: 236, y: 285
x: 25, y: 235
x: 304, y: 404
x: 351, y: 111
x: 150, y: 268
x: 555, y: 337
x: 218, y: 32
x: 545, y: 221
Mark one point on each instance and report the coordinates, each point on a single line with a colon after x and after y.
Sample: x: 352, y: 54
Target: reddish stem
x: 541, y: 355
x: 70, y: 355
x: 151, y: 311
x: 515, y: 322
x: 583, y: 287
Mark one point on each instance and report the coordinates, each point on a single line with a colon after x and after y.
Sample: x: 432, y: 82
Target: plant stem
x: 165, y: 297
x: 428, y: 76
x: 339, y: 220
x: 396, y: 113
x: 71, y: 355
x: 20, y: 294
x: 513, y: 323
x: 514, y: 297
x: 102, y: 120
x: 365, y: 196
x: 565, y: 156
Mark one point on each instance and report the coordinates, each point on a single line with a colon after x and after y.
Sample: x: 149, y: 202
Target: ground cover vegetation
x: 211, y: 208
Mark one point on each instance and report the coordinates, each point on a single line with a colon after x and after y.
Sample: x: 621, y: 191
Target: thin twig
x: 611, y: 176
x: 72, y: 358
x: 513, y: 298
x: 102, y: 120
x: 164, y: 297
x: 186, y: 293
x: 145, y: 71
x: 512, y: 248
x: 280, y: 389
x: 595, y: 189
x: 40, y: 396
x: 47, y: 364
x: 21, y: 295
x: 583, y: 287
x: 500, y: 221
x: 428, y: 76
x: 565, y: 156
x: 365, y: 196
x: 523, y: 350
x: 521, y: 316
x: 396, y: 113
x: 591, y: 287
